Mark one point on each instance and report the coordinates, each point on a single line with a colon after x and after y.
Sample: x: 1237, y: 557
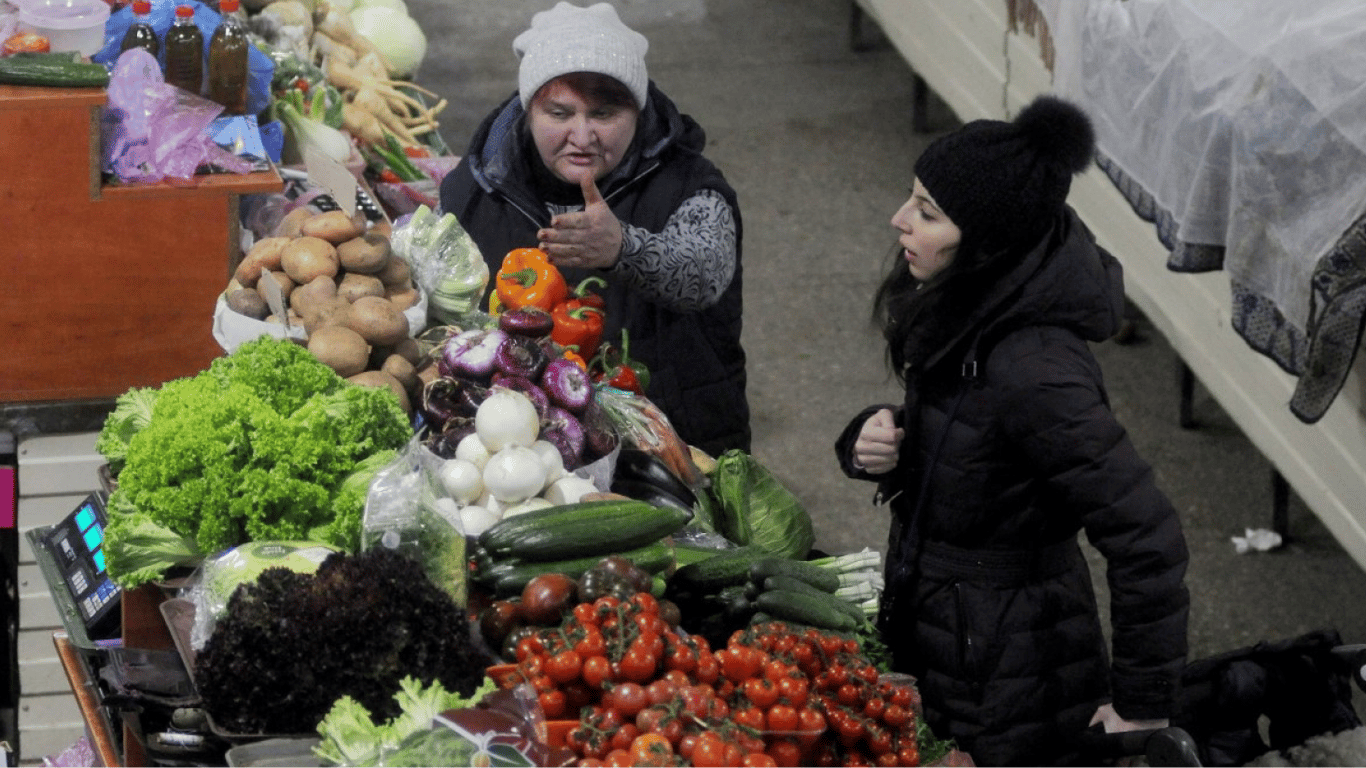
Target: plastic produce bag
x: 217, y: 578
x: 401, y: 512
x: 152, y: 130
x: 446, y: 263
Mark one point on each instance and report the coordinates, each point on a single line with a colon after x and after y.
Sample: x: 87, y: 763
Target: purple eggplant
x: 471, y: 354
x: 562, y: 429
x: 529, y: 321
x: 535, y: 394
x: 567, y: 385
x: 520, y: 356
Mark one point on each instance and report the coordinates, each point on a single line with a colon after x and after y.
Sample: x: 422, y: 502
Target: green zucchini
x: 582, y: 529
x: 52, y: 70
x: 508, y: 577
x: 729, y: 567
x: 812, y: 574
x: 789, y: 584
x: 804, y: 608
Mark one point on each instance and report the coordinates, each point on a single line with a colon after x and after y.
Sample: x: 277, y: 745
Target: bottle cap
x: 142, y: 7
x: 184, y: 11
x: 227, y: 6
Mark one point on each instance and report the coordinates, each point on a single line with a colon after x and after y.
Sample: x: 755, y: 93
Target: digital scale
x: 75, y: 556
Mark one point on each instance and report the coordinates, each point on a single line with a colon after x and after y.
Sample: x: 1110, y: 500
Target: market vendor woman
x: 593, y: 164
x: 1005, y: 448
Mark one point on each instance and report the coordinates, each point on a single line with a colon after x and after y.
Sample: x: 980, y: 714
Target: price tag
x: 275, y: 298
x: 333, y: 177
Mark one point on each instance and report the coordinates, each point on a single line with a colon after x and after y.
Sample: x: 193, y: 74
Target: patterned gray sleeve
x: 688, y: 265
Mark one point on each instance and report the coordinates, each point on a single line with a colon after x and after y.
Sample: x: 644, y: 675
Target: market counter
x: 107, y: 287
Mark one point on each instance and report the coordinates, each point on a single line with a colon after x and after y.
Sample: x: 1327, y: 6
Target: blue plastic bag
x: 260, y: 67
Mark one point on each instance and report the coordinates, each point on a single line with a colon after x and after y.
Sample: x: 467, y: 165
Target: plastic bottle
x: 185, y: 52
x: 228, y: 61
x: 140, y: 33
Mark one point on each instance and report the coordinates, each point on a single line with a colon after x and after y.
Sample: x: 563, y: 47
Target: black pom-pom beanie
x: 1004, y: 183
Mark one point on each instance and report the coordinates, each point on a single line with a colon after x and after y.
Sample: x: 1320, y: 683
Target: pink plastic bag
x: 152, y: 130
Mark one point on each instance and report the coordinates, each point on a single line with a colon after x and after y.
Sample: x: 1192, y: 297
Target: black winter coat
x: 989, y: 600
x: 696, y: 361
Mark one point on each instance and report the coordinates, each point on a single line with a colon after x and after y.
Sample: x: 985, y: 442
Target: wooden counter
x: 107, y: 287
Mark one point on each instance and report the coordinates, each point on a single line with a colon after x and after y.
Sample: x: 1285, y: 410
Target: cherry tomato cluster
x: 775, y: 695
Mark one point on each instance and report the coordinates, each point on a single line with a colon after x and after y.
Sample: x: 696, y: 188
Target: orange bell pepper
x: 527, y: 278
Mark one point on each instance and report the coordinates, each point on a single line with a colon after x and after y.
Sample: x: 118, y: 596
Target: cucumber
x: 804, y: 608
x: 508, y: 577
x: 814, y: 575
x: 789, y: 584
x: 583, y: 529
x: 729, y: 567
x: 53, y: 70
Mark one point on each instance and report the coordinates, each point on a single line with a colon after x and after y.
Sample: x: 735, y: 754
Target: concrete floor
x: 817, y: 139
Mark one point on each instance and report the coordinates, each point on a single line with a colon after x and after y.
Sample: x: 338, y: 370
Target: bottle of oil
x: 140, y: 33
x: 228, y: 61
x: 185, y: 52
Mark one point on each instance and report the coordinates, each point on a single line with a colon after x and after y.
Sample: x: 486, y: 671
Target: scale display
x: 77, y: 546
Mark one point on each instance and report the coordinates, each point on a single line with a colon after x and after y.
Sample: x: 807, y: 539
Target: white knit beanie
x: 568, y: 39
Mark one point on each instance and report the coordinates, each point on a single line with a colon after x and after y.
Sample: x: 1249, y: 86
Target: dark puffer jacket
x: 989, y: 601
x: 696, y: 361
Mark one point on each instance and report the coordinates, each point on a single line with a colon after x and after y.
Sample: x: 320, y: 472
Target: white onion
x: 569, y: 489
x: 506, y: 417
x: 514, y: 474
x: 462, y: 480
x: 551, y: 458
x: 475, y: 519
x: 472, y: 449
x: 535, y: 502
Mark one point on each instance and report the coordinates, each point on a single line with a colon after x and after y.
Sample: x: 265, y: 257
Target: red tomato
x: 637, y: 665
x: 651, y: 749
x: 785, y: 752
x: 758, y: 760
x: 874, y: 707
x: 750, y: 717
x: 794, y: 689
x: 619, y: 758
x: 909, y: 754
x: 596, y: 670
x: 708, y: 668
x: 760, y: 691
x: 564, y: 666
x: 623, y: 736
x: 552, y: 702
x: 591, y: 644
x: 628, y: 698
x: 781, y: 718
x: 895, y: 715
x: 709, y: 751
x: 660, y: 691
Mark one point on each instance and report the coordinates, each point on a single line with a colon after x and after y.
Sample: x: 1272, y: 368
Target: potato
x: 368, y: 253
x: 334, y: 226
x: 330, y: 312
x: 291, y: 226
x: 340, y: 348
x: 428, y: 373
x: 402, y: 299
x: 382, y: 379
x: 246, y: 301
x: 263, y: 256
x: 377, y: 320
x: 395, y: 365
x: 281, y: 279
x: 355, y: 285
x: 305, y: 258
x: 396, y: 274
x: 313, y: 294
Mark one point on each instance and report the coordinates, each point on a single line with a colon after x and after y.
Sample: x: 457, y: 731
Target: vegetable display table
x: 107, y: 287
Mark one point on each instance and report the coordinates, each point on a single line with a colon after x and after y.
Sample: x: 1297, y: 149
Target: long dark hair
x: 917, y: 318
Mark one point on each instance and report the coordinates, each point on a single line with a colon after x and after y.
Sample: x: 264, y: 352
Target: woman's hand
x: 878, y: 443
x: 588, y: 239
x: 1113, y: 723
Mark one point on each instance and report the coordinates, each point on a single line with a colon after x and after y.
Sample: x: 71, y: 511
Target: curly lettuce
x: 256, y: 447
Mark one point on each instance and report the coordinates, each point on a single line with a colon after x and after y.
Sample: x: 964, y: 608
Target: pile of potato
x: 344, y: 286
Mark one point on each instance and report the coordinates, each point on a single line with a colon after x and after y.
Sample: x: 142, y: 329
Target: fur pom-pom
x: 1059, y: 129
